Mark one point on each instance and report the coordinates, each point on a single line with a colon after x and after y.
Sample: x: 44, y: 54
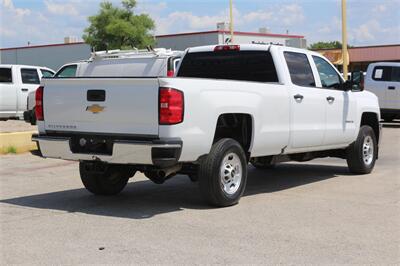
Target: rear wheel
x: 223, y: 173
x: 107, y: 180
x: 33, y: 117
x: 361, y: 154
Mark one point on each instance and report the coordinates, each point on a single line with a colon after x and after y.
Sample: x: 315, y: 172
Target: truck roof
x: 11, y: 65
x: 250, y: 47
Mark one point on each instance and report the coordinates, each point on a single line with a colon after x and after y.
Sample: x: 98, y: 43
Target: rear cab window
x: 46, y: 73
x: 30, y: 76
x: 256, y: 66
x: 5, y: 75
x: 300, y: 69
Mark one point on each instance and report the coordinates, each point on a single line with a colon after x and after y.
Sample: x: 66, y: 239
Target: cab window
x: 300, y: 69
x: 46, y: 73
x: 5, y: 75
x: 30, y: 76
x: 329, y: 77
x: 66, y: 72
x: 386, y: 73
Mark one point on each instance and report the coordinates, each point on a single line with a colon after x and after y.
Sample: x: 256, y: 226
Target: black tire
x: 356, y: 161
x: 262, y: 163
x: 33, y: 117
x: 210, y: 180
x: 111, y: 181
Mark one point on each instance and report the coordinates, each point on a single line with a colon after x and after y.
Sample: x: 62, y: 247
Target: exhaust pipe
x: 159, y: 176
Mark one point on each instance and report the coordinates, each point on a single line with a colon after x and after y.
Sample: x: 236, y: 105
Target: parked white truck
x: 16, y: 81
x: 227, y: 106
x: 383, y: 79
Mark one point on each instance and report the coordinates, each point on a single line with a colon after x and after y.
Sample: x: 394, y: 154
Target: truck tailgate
x: 126, y: 106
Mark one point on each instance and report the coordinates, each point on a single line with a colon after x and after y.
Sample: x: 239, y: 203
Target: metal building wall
x: 181, y: 42
x: 51, y: 56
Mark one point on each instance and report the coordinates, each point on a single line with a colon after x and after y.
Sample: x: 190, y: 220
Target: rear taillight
x: 39, y: 104
x: 221, y: 48
x: 170, y: 73
x: 171, y: 106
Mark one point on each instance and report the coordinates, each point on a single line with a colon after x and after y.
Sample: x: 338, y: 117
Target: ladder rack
x: 112, y: 54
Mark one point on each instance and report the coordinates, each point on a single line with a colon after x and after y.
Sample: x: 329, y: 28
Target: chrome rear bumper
x: 123, y: 152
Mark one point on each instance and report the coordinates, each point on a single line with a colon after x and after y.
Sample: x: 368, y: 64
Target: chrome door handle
x: 298, y: 97
x: 330, y: 99
x: 24, y: 89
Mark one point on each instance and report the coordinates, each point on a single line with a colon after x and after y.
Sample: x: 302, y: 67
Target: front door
x: 392, y: 89
x: 340, y: 105
x: 30, y: 82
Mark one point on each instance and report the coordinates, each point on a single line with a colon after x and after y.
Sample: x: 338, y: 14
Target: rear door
x: 308, y: 112
x: 8, y: 93
x: 127, y: 106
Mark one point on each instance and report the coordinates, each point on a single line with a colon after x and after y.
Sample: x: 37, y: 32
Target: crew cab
x: 16, y: 81
x: 226, y: 106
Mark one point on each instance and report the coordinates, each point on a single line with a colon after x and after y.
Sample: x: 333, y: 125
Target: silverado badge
x: 95, y: 108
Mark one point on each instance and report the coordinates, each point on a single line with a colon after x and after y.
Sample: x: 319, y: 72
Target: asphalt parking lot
x: 309, y: 213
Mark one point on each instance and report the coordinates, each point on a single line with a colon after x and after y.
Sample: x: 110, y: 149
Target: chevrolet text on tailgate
x: 227, y: 106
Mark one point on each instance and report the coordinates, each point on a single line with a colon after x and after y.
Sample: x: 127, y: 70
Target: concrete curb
x: 17, y: 142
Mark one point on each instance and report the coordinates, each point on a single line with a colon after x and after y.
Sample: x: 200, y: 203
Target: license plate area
x: 91, y: 145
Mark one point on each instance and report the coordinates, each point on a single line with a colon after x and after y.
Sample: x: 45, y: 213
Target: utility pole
x: 345, y: 54
x: 231, y: 19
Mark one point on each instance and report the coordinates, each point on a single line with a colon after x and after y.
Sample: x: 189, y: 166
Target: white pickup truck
x: 16, y: 81
x: 227, y: 106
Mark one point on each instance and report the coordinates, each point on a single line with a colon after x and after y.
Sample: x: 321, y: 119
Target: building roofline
x: 228, y: 32
x: 359, y: 47
x: 40, y: 46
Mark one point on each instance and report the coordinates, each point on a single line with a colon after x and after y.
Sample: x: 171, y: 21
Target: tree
x: 119, y: 28
x: 327, y: 45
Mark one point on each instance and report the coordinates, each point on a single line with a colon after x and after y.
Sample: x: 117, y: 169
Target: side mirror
x: 357, y: 81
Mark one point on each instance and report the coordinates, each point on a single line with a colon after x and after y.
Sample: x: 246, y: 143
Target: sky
x: 370, y: 22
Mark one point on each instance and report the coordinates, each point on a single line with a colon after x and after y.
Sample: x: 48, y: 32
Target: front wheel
x: 362, y: 154
x: 108, y: 180
x: 223, y: 173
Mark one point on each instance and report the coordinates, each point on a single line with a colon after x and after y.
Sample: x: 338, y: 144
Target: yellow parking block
x: 17, y: 142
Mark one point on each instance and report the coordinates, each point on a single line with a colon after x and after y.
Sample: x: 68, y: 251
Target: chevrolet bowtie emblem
x: 95, y: 108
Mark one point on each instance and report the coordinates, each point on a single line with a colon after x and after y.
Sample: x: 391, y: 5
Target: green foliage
x: 11, y: 149
x: 327, y: 45
x: 119, y: 28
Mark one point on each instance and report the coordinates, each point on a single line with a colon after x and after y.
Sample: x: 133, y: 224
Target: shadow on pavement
x: 143, y: 199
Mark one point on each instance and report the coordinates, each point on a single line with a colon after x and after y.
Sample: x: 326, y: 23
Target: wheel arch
x: 371, y: 119
x: 238, y: 126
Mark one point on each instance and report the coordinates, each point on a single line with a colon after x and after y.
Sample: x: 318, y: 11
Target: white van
x: 16, y: 81
x: 383, y: 79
